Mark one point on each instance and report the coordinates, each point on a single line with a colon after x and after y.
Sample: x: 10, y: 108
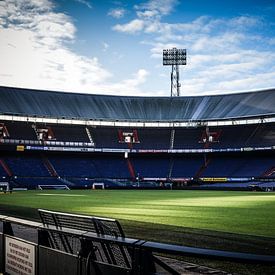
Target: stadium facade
x: 49, y: 138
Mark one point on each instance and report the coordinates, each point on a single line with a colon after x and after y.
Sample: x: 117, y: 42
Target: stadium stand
x: 74, y: 166
x: 151, y: 167
x: 186, y: 165
x: 70, y: 133
x: 78, y: 139
x: 153, y: 138
x: 107, y: 138
x: 20, y: 131
x: 239, y: 136
x: 27, y: 166
x: 238, y: 165
x: 188, y: 138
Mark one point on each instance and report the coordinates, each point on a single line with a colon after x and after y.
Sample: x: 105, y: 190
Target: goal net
x: 4, y: 187
x: 53, y: 187
x: 98, y: 185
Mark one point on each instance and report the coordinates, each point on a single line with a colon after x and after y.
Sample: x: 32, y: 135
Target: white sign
x: 20, y: 257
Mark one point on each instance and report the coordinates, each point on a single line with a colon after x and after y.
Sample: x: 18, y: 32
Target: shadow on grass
x: 19, y: 212
x: 199, y: 237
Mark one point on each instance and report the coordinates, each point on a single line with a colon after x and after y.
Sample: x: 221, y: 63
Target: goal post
x: 98, y: 185
x: 5, y: 187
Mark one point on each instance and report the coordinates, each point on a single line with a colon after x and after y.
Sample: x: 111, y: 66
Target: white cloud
x: 222, y: 73
x: 147, y: 14
x: 148, y: 17
x: 129, y: 86
x: 34, y: 53
x: 156, y: 8
x: 222, y: 54
x: 117, y: 13
x: 28, y: 63
x: 244, y: 22
x: 240, y: 84
x: 132, y: 27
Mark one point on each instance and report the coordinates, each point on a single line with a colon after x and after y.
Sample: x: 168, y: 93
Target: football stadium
x: 189, y: 176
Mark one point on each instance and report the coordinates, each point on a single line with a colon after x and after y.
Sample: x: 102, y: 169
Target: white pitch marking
x: 64, y: 195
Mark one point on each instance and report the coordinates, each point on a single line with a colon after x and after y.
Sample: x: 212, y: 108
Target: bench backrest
x: 97, y: 225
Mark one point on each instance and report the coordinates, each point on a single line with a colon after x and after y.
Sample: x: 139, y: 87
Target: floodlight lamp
x: 174, y: 56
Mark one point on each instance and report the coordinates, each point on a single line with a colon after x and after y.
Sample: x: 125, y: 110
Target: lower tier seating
x: 82, y: 169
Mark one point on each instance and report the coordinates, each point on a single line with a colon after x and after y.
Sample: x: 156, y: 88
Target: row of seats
x: 143, y: 166
x: 152, y: 138
x: 93, y: 167
x: 238, y: 167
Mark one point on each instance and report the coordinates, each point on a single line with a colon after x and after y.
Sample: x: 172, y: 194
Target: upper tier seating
x: 153, y: 138
x: 70, y: 133
x: 237, y: 136
x: 20, y: 130
x: 107, y: 138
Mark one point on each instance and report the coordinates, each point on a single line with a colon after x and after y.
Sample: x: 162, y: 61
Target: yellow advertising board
x: 214, y: 179
x: 20, y: 148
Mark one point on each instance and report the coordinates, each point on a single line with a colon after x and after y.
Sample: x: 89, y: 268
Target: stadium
x: 147, y: 153
x: 77, y: 140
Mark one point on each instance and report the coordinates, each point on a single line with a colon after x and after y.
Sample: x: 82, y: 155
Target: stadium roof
x: 26, y: 102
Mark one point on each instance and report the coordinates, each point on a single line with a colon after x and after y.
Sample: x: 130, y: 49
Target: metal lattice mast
x: 175, y: 85
x: 174, y: 57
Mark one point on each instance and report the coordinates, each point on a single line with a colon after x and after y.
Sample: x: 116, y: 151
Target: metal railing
x: 92, y: 251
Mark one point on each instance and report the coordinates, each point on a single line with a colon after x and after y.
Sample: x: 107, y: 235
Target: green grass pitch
x: 225, y: 220
x: 249, y: 213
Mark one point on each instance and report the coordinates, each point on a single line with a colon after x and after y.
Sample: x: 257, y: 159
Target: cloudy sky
x: 115, y: 46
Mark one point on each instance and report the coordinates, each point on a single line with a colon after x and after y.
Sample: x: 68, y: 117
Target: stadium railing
x: 99, y: 251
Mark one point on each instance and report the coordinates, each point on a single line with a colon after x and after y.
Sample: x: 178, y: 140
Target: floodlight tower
x: 174, y: 57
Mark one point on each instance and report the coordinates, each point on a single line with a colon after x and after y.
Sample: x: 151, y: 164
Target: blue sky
x: 115, y: 46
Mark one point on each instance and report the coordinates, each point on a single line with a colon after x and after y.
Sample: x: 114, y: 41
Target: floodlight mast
x: 174, y: 57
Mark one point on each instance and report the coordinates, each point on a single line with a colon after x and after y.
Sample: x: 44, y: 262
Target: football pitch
x: 248, y: 213
x: 225, y: 220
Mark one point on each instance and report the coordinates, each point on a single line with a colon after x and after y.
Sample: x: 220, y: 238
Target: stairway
x: 131, y: 169
x: 6, y: 167
x: 203, y: 167
x: 89, y: 136
x: 49, y: 167
x: 269, y: 172
x: 171, y: 166
x: 35, y: 130
x: 172, y: 138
